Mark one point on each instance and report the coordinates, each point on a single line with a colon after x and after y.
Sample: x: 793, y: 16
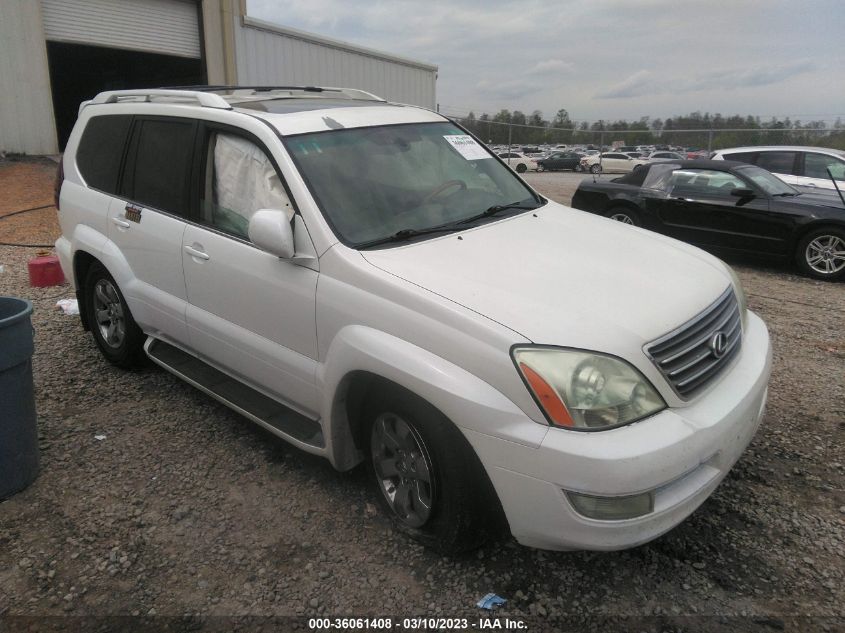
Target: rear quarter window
x: 101, y: 151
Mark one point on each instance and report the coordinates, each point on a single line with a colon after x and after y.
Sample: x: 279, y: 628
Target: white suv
x: 795, y: 165
x: 368, y: 282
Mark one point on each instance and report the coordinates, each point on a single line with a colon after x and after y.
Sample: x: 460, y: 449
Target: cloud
x: 644, y: 82
x: 551, y: 66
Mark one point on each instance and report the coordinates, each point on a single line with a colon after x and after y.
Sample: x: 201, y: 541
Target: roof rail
x: 347, y: 93
x: 205, y: 99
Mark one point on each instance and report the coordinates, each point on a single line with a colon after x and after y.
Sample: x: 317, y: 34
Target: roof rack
x: 342, y: 93
x: 205, y: 99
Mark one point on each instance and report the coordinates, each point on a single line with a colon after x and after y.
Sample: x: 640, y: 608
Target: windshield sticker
x: 466, y: 146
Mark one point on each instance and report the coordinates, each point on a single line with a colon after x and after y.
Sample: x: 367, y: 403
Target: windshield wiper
x: 406, y: 234
x: 491, y: 211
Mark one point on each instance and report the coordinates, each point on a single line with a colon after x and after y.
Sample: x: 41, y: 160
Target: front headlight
x: 741, y: 299
x: 585, y: 391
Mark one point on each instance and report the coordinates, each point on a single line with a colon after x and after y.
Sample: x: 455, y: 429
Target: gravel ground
x: 185, y: 508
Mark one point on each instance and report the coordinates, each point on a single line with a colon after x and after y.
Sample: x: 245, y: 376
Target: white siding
x: 267, y: 54
x: 169, y: 27
x: 26, y: 110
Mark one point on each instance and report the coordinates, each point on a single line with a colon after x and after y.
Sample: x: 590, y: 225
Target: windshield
x: 374, y: 182
x: 767, y: 181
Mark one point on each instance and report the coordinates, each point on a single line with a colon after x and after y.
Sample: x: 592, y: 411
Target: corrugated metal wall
x: 26, y: 111
x: 153, y: 26
x: 268, y: 54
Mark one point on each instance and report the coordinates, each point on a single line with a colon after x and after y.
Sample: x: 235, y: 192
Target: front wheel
x: 428, y: 478
x: 115, y: 332
x: 624, y: 215
x: 821, y: 254
x: 596, y: 169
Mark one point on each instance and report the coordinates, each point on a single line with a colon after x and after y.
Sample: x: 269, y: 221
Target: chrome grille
x: 697, y: 352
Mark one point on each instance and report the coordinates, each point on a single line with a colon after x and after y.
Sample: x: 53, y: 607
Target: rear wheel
x: 596, y: 169
x: 540, y: 167
x: 115, y: 332
x: 428, y: 478
x: 624, y: 215
x: 521, y: 168
x: 821, y: 254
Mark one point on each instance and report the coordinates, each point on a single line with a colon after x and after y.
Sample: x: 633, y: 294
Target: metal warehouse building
x: 57, y: 53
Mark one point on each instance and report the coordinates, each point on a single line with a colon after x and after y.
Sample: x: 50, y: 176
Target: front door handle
x: 193, y: 252
x: 121, y: 223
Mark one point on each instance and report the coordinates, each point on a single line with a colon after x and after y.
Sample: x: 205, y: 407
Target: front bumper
x: 680, y: 454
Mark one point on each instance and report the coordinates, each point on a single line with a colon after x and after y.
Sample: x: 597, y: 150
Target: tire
x: 540, y: 167
x: 821, y: 254
x: 521, y: 168
x: 448, y: 500
x: 115, y: 332
x: 624, y: 215
x: 595, y: 169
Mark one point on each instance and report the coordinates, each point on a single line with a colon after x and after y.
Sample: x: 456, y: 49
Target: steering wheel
x: 444, y: 187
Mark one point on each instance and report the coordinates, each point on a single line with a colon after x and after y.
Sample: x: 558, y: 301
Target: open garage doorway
x: 78, y: 72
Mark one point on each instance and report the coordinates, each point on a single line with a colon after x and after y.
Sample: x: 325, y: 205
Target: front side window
x: 767, y: 181
x: 374, y: 182
x: 240, y: 180
x: 703, y: 183
x: 816, y: 166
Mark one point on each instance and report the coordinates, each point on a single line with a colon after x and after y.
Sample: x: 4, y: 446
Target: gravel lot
x: 187, y: 509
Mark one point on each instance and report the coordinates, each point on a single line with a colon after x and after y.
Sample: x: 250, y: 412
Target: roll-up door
x: 169, y: 27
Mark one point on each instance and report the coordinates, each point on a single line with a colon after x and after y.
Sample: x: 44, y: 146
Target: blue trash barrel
x: 18, y: 430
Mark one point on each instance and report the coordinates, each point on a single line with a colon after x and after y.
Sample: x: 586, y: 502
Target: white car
x: 519, y: 162
x: 370, y: 284
x: 617, y: 162
x: 795, y: 165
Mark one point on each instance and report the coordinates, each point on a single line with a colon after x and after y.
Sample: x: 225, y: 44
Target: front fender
x: 468, y: 401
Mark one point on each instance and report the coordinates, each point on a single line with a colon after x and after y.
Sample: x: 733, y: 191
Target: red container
x: 45, y: 271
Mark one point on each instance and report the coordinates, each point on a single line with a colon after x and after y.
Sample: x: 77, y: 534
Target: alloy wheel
x: 403, y: 469
x: 826, y: 254
x: 623, y: 218
x: 108, y: 312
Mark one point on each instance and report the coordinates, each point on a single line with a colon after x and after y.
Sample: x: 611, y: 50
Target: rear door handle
x: 121, y: 223
x: 193, y: 252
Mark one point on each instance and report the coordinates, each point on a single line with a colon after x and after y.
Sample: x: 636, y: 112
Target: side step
x: 272, y: 415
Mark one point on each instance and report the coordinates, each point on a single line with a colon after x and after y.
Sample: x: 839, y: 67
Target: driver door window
x: 240, y: 180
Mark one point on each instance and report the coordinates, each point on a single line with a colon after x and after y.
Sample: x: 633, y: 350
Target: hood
x: 559, y: 276
x: 818, y: 197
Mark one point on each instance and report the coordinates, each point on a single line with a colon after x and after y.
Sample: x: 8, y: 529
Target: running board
x: 271, y: 414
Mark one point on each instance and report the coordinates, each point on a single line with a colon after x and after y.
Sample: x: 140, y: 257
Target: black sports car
x: 560, y: 160
x: 726, y: 205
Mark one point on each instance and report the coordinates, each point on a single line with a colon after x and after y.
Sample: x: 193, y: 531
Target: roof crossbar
x: 205, y: 99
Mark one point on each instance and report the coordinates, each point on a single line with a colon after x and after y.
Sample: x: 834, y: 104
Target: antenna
x: 833, y: 180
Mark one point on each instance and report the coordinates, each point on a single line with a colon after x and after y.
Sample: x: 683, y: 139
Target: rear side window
x: 101, y: 150
x: 777, y: 162
x: 159, y: 169
x: 742, y: 157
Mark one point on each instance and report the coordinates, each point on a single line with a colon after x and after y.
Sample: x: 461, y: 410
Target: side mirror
x: 742, y: 192
x: 270, y: 230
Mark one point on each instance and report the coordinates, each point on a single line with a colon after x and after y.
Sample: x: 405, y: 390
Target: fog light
x: 612, y: 508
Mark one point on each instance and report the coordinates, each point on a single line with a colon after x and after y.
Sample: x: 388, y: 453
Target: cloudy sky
x: 603, y: 59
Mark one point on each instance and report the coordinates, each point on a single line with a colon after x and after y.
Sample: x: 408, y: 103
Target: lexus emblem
x: 719, y: 344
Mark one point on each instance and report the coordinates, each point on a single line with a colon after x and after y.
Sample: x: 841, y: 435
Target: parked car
x: 796, y: 165
x: 560, y: 160
x: 663, y: 156
x: 728, y: 206
x: 520, y: 163
x: 611, y: 162
x: 341, y: 277
x: 693, y: 153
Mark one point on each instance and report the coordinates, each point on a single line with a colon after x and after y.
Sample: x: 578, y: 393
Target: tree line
x: 533, y: 129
